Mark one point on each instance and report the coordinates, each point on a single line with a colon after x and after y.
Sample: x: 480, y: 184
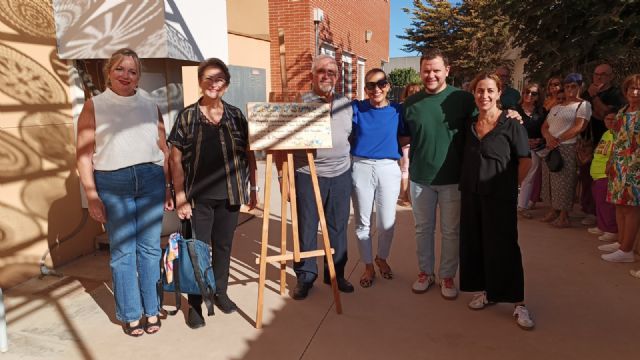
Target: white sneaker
x: 595, y: 230
x: 588, y: 220
x: 619, y: 256
x: 607, y: 236
x: 479, y: 301
x: 448, y: 289
x: 523, y: 318
x: 609, y: 247
x: 421, y: 285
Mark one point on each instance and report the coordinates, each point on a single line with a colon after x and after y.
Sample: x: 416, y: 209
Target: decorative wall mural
x: 16, y: 157
x: 50, y: 134
x: 33, y: 17
x: 69, y: 12
x: 106, y: 28
x: 25, y: 80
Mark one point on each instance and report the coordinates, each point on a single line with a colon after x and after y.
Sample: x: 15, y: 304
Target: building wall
x: 250, y: 52
x: 40, y: 206
x: 342, y: 28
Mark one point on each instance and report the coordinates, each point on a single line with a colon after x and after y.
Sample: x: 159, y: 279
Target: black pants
x: 215, y: 221
x: 490, y: 258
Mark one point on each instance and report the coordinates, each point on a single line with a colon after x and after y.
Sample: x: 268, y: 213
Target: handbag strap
x: 207, y: 296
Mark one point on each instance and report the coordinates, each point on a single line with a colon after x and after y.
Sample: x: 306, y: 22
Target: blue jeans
x: 375, y: 182
x: 425, y: 199
x: 134, y: 201
x: 335, y: 193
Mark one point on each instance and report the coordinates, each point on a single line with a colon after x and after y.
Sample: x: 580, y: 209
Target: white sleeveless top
x: 126, y: 131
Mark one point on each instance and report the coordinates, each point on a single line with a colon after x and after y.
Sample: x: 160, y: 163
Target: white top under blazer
x: 126, y: 131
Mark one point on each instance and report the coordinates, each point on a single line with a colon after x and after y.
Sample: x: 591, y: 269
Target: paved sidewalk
x: 584, y: 308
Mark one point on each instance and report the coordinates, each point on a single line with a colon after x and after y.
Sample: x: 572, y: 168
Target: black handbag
x: 192, y: 270
x: 554, y: 160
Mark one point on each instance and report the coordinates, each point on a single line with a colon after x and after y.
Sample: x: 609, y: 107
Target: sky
x: 399, y: 21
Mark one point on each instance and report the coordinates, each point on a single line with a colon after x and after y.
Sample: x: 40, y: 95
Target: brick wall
x: 343, y: 27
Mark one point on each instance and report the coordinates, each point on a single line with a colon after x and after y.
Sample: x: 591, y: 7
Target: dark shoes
x: 301, y: 290
x: 343, y: 284
x: 195, y: 319
x: 225, y: 304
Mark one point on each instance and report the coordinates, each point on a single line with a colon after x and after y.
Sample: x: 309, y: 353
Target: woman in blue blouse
x: 376, y: 174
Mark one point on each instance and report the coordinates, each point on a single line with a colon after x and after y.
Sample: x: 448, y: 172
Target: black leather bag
x: 554, y: 160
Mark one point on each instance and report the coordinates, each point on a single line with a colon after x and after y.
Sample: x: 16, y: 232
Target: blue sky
x: 399, y: 21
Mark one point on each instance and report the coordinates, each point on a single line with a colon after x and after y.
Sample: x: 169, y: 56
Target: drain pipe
x: 4, y: 347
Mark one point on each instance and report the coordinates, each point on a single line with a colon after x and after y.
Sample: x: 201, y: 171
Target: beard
x: 325, y: 88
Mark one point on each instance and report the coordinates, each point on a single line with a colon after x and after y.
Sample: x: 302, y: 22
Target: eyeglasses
x: 215, y: 81
x: 601, y: 74
x: 554, y: 84
x: 381, y: 84
x: 532, y: 93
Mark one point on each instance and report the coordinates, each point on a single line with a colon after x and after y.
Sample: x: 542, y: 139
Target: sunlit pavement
x: 584, y: 308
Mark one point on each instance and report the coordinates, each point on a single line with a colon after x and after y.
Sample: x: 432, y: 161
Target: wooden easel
x: 288, y: 190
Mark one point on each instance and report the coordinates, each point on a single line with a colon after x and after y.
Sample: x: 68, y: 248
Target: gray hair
x: 322, y: 57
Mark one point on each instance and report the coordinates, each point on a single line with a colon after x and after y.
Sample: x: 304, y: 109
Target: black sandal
x: 131, y: 330
x: 148, y: 327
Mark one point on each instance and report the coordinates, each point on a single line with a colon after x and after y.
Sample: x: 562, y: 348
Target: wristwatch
x: 255, y: 188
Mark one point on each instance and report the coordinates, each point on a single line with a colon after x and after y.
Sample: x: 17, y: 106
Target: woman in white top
x: 564, y: 122
x: 123, y: 164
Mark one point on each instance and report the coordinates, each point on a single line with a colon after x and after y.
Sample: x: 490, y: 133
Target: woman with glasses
x: 563, y: 124
x: 212, y: 167
x: 377, y: 123
x: 122, y: 159
x: 533, y: 114
x: 554, y: 85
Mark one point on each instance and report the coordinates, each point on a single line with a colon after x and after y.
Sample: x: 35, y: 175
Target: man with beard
x: 334, y: 176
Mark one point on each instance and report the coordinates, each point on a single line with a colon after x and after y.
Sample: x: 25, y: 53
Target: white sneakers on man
x: 448, y: 289
x: 619, y: 256
x: 422, y: 284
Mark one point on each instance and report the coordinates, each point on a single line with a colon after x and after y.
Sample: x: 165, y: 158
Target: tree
x: 404, y: 76
x: 472, y: 35
x: 558, y: 37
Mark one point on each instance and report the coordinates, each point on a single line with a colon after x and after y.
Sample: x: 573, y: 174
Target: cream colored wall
x: 249, y: 17
x: 39, y: 189
x: 250, y: 52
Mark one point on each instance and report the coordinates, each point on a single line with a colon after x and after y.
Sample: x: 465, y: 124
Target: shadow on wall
x: 39, y: 188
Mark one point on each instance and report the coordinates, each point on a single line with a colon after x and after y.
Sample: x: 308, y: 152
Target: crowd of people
x: 479, y: 158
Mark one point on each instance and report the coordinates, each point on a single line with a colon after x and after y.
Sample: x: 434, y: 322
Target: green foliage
x: 404, y: 76
x: 472, y: 35
x: 558, y: 37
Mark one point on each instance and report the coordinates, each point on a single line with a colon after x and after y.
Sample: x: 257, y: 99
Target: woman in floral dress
x: 624, y: 174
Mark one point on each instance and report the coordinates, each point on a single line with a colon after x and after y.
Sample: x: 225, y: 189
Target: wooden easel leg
x: 325, y: 234
x: 294, y: 209
x: 265, y: 239
x: 284, y: 192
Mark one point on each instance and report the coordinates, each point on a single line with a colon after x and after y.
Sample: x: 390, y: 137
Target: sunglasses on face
x: 381, y: 84
x: 532, y: 93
